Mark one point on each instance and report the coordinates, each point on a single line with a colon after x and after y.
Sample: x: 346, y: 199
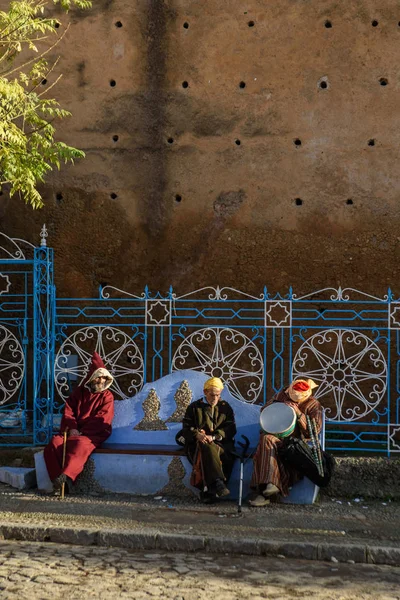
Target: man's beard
x: 97, y: 387
x: 213, y: 402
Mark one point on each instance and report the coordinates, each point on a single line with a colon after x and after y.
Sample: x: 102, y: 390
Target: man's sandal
x: 270, y: 490
x: 259, y: 501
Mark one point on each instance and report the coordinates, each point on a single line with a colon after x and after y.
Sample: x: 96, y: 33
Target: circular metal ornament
x: 119, y: 352
x: 12, y: 364
x: 227, y: 354
x: 348, y: 367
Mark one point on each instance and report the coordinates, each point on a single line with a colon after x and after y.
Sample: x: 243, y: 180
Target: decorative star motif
x: 5, y: 285
x: 396, y: 444
x: 158, y: 313
x: 394, y: 315
x: 277, y: 315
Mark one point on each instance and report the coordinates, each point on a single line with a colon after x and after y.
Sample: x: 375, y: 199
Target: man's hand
x: 73, y: 432
x: 203, y: 438
x: 297, y: 410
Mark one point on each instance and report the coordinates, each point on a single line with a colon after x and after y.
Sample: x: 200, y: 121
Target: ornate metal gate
x: 26, y: 340
x: 346, y: 340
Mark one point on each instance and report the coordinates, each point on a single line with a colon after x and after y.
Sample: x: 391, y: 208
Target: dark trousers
x: 217, y: 461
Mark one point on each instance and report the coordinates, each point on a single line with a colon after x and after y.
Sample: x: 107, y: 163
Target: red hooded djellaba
x: 87, y: 418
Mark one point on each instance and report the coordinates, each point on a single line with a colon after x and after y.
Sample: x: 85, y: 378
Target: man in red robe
x: 87, y: 418
x: 270, y: 475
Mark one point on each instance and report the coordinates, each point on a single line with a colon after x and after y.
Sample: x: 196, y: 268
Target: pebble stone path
x: 47, y: 571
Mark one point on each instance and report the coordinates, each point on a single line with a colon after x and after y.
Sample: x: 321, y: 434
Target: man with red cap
x: 87, y: 418
x: 270, y: 475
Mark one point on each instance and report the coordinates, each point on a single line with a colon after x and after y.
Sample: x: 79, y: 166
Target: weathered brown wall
x: 203, y: 209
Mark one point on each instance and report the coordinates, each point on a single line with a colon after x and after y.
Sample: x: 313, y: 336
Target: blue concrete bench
x: 141, y: 462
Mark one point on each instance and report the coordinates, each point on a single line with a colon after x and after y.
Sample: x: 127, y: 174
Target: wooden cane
x: 314, y: 444
x: 63, y: 462
x: 205, y: 488
x: 319, y: 451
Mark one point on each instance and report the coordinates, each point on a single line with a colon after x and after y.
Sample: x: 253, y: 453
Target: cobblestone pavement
x: 30, y: 570
x: 370, y: 521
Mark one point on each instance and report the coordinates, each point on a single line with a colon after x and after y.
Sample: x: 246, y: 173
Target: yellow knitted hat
x: 214, y: 382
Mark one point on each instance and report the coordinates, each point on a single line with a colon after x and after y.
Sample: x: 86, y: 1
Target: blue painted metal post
x: 44, y: 313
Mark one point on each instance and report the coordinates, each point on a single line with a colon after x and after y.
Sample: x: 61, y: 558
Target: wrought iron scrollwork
x: 225, y: 353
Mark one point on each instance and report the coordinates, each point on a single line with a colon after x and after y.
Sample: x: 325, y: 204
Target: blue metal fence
x: 347, y: 341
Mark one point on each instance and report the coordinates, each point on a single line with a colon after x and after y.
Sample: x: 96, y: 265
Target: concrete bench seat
x: 162, y: 450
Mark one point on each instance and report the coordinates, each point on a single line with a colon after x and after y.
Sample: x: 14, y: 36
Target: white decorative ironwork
x: 43, y: 236
x: 348, y: 366
x: 217, y: 293
x: 12, y: 247
x: 12, y: 364
x: 119, y: 352
x: 7, y: 284
x: 340, y: 295
x: 394, y: 437
x: 107, y: 290
x: 278, y: 313
x: 225, y: 353
x: 158, y: 312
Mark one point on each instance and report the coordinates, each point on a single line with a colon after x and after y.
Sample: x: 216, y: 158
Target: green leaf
x: 28, y: 149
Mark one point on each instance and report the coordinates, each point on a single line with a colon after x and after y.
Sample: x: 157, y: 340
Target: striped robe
x: 267, y: 466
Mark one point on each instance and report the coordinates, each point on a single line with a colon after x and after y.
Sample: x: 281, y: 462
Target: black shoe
x: 221, y: 488
x: 208, y: 498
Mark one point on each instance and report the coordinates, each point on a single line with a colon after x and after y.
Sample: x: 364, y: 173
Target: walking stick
x: 245, y: 447
x: 319, y: 451
x: 63, y: 461
x: 243, y: 458
x: 205, y: 488
x: 312, y: 429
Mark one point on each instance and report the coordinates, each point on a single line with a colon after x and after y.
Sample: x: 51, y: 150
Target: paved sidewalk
x: 342, y: 530
x: 49, y: 571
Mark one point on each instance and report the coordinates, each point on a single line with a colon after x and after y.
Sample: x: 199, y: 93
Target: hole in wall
x: 328, y: 24
x: 113, y: 196
x: 323, y: 84
x: 297, y: 142
x: 57, y: 24
x: 170, y: 140
x: 115, y: 138
x: 349, y: 201
x: 44, y: 81
x: 242, y: 85
x: 238, y: 142
x: 298, y: 201
x: 251, y: 23
x: 178, y: 198
x: 113, y: 83
x: 374, y: 23
x: 185, y: 84
x: 59, y: 197
x: 186, y: 25
x: 383, y: 81
x: 118, y: 24
x: 371, y: 142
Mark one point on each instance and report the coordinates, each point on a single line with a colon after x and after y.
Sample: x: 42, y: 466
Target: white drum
x: 279, y: 419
